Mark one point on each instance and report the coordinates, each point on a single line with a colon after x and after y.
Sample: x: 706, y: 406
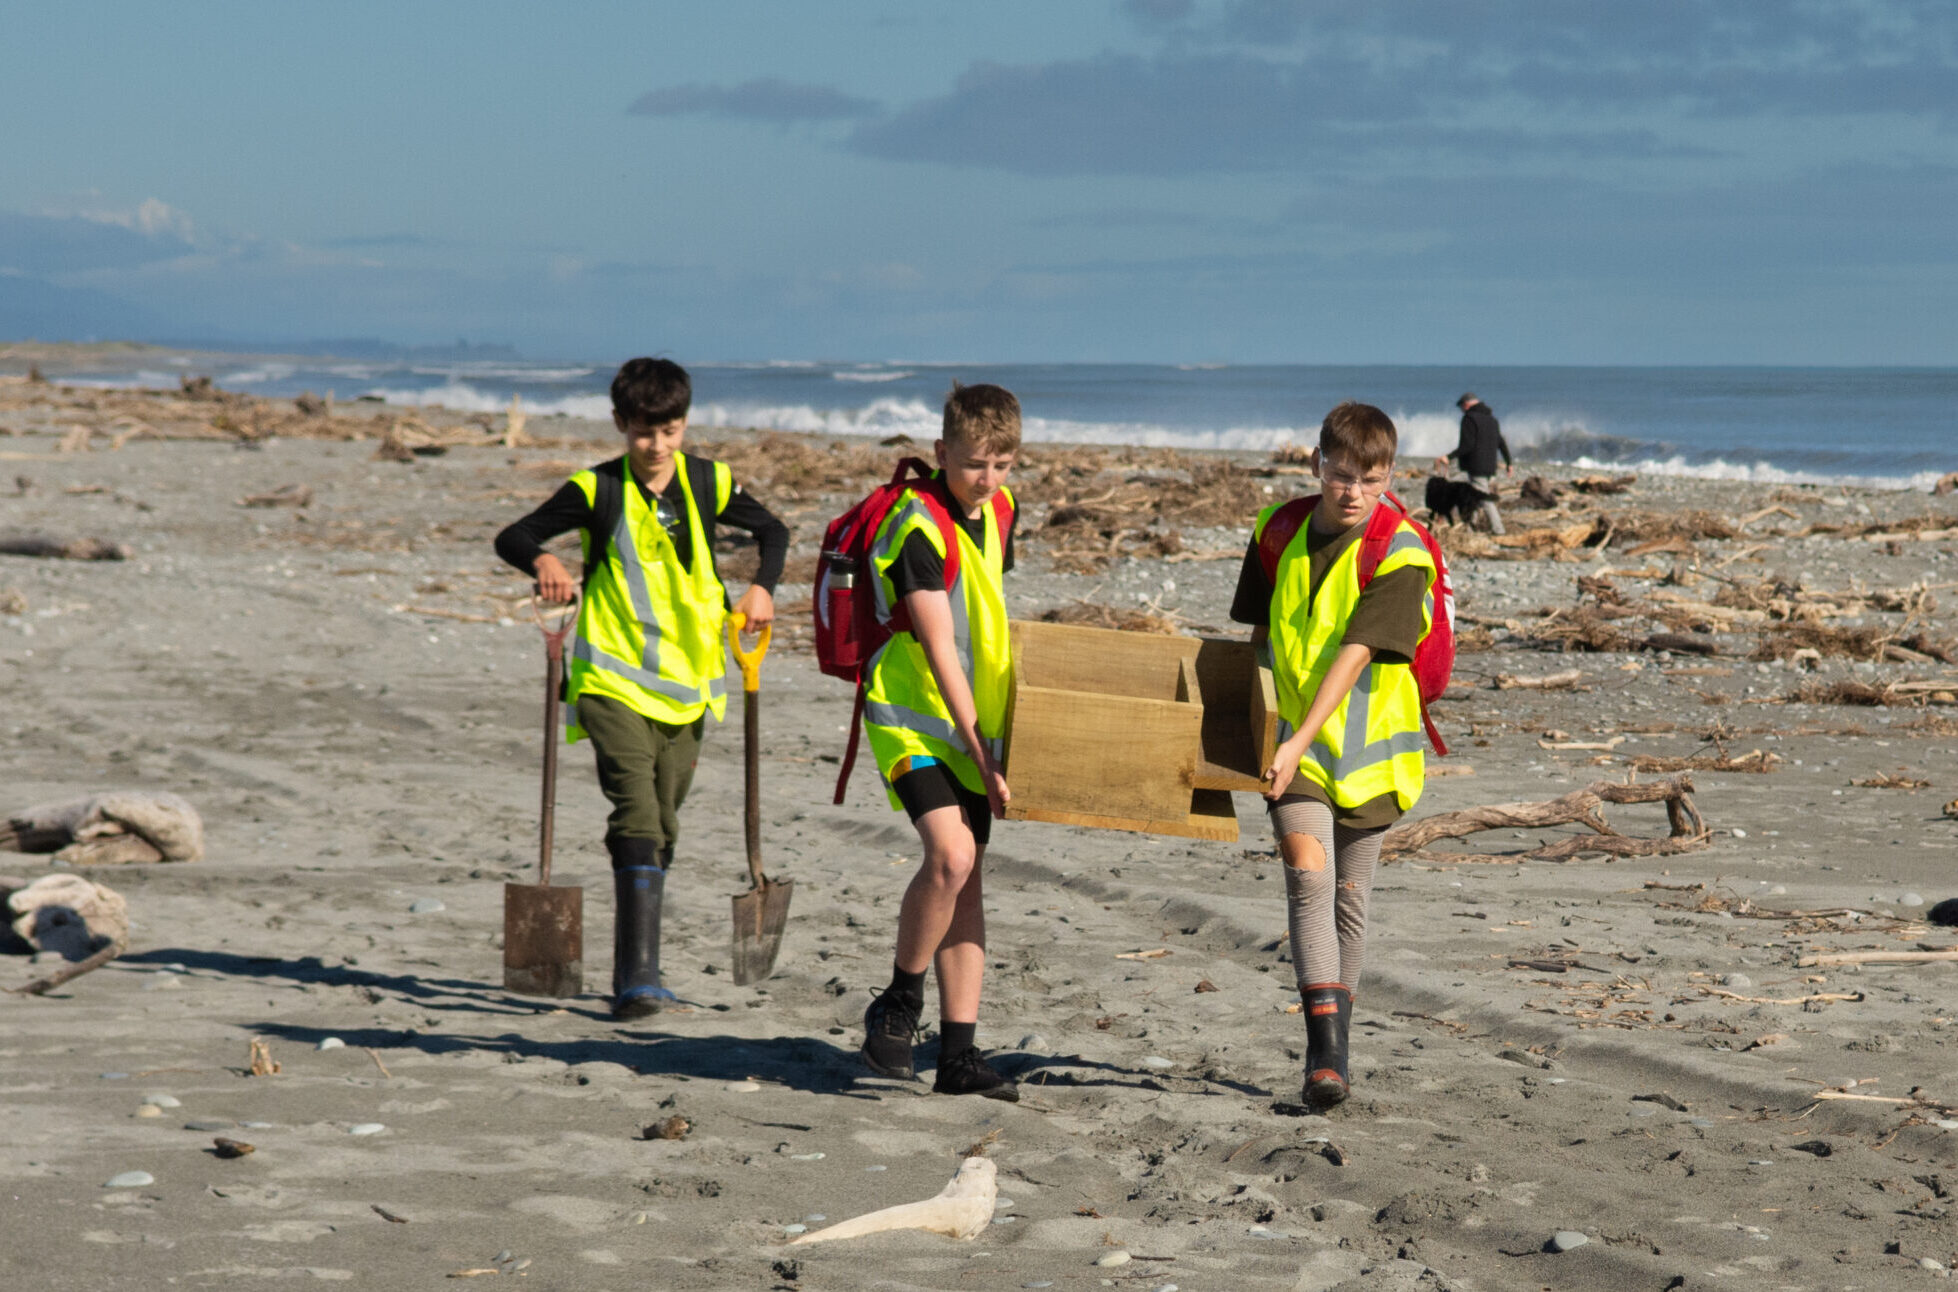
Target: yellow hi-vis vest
x: 1372, y: 743
x: 904, y: 715
x: 649, y: 633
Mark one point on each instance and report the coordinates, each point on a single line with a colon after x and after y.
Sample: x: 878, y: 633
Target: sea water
x: 1884, y: 427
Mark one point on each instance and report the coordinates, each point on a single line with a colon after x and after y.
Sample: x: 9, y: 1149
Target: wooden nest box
x: 1134, y: 731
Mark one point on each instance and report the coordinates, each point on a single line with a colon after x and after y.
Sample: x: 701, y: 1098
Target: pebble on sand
x: 426, y: 906
x: 1565, y: 1240
x: 163, y: 1101
x: 366, y: 1128
x: 1156, y: 1061
x: 1116, y: 1257
x: 130, y: 1180
x: 331, y: 1043
x: 213, y: 1124
x: 149, y: 1110
x: 742, y: 1087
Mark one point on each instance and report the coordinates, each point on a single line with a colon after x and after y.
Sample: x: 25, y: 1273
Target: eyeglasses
x: 1372, y: 486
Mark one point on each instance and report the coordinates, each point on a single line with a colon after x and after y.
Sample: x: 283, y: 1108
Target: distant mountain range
x: 37, y: 310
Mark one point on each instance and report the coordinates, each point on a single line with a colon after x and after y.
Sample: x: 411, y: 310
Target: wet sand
x: 349, y: 692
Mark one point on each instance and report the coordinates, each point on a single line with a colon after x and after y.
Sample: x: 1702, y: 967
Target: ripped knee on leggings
x: 1305, y: 854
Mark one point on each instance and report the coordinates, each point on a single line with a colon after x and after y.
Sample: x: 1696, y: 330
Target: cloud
x: 381, y: 241
x: 1153, y: 13
x: 769, y: 99
x: 1279, y: 85
x: 52, y: 245
x: 1122, y: 114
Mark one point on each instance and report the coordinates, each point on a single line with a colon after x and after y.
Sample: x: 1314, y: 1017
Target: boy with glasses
x: 1349, y: 760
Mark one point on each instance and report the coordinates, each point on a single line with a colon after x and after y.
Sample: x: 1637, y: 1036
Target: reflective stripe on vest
x: 672, y: 681
x: 1306, y: 629
x: 904, y: 714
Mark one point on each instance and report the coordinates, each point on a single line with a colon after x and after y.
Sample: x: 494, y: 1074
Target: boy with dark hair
x: 648, y: 661
x: 1349, y: 758
x: 935, y: 712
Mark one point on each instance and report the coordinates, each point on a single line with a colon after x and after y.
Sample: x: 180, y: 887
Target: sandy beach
x: 349, y: 691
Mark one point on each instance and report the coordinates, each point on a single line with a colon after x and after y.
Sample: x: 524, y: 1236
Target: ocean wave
x: 503, y: 372
x: 879, y: 417
x: 899, y: 375
x: 1755, y: 473
x: 465, y: 398
x: 264, y: 374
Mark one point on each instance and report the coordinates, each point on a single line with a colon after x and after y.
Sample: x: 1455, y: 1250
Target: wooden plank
x: 1211, y: 816
x: 1240, y: 719
x: 1105, y: 755
x: 1264, y: 715
x: 1070, y: 657
x: 1216, y: 776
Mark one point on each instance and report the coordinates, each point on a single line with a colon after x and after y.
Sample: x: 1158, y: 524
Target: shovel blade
x: 759, y: 917
x: 543, y: 940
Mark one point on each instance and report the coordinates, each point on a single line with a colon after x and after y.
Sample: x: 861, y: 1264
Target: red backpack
x: 1434, y: 658
x: 848, y: 633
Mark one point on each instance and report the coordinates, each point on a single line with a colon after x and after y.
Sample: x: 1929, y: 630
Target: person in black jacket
x: 1480, y: 443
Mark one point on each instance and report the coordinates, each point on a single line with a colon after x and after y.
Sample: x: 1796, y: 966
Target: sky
x: 1198, y: 181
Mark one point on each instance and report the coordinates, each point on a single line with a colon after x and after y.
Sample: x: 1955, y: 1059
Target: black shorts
x: 925, y: 789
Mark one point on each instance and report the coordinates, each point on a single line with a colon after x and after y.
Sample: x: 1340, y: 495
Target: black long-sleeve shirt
x: 522, y: 543
x: 1481, y: 441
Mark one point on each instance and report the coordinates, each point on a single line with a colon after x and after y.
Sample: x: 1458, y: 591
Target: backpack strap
x: 941, y: 516
x: 850, y: 751
x: 704, y: 478
x: 607, y: 505
x: 1379, y: 538
x: 1280, y: 530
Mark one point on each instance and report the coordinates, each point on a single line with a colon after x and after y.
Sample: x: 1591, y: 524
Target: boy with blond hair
x: 1349, y: 759
x: 935, y: 711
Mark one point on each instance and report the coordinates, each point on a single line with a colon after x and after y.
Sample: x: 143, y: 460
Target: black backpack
x: 608, y: 504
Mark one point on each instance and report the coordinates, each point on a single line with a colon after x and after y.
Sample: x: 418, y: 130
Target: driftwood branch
x: 73, y: 549
x: 1579, y: 807
x: 1877, y: 958
x: 42, y: 986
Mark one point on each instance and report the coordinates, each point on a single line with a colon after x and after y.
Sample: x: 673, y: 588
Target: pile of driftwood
x: 1787, y: 623
x: 200, y: 410
x: 1688, y: 830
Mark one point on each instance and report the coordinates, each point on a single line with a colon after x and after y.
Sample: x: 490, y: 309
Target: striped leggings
x: 1328, y: 907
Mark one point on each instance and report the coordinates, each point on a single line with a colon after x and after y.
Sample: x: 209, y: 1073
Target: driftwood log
x: 63, y: 549
x: 1580, y: 807
x: 42, y: 986
x: 115, y: 828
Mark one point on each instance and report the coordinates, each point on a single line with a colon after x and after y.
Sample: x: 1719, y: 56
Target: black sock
x: 909, y: 986
x: 956, y: 1038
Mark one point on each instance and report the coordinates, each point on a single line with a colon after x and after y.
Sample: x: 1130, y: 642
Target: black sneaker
x: 968, y: 1073
x: 889, y: 1026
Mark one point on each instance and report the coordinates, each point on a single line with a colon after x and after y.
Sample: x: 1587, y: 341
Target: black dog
x: 1454, y: 500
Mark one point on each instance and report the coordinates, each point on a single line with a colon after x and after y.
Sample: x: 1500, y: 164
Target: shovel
x: 544, y: 927
x: 762, y: 911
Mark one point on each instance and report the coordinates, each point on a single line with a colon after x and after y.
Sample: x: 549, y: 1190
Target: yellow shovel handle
x: 750, y: 661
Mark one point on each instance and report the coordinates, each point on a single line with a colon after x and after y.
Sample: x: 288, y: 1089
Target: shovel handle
x: 553, y: 684
x: 750, y: 662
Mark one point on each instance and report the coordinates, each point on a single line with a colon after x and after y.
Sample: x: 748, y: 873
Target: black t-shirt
x: 523, y: 542
x: 919, y: 567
